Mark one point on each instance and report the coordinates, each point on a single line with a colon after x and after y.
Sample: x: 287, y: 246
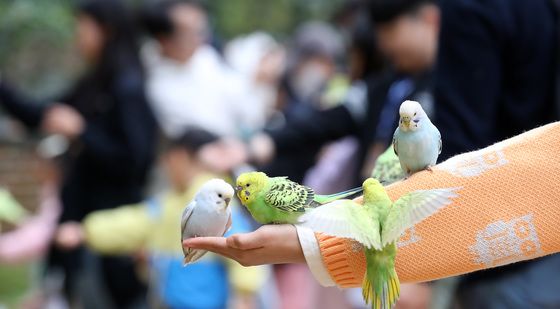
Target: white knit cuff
x: 313, y: 257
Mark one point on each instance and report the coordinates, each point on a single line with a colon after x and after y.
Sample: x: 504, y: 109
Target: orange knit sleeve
x: 508, y: 210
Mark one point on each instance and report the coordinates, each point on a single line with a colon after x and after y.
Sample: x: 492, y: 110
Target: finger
x: 205, y: 243
x: 246, y: 241
x: 213, y: 244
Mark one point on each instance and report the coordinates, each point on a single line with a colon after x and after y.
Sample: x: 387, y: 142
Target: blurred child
x: 154, y: 226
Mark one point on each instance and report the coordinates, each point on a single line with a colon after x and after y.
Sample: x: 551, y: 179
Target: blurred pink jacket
x: 32, y: 238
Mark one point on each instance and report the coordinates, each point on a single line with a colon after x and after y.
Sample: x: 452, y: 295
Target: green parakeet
x: 388, y: 168
x: 377, y: 225
x: 280, y: 200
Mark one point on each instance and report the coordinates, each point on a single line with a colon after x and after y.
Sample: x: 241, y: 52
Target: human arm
x: 128, y: 152
x: 25, y: 110
x: 121, y: 230
x: 506, y: 212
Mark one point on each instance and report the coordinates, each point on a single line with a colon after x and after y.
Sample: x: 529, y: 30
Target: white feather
x: 412, y: 208
x: 345, y: 219
x: 207, y: 215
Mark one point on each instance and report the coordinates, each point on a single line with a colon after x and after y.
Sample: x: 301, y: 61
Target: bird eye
x: 220, y: 195
x: 414, y: 114
x: 248, y: 185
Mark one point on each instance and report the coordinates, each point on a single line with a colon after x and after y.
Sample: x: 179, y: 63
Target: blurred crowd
x: 163, y: 105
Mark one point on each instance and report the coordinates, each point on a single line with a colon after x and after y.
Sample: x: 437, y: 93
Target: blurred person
x: 188, y: 82
x: 302, y: 92
x: 153, y: 226
x: 23, y: 248
x: 111, y: 130
x: 336, y: 166
x: 370, y: 106
x: 496, y: 77
x: 261, y: 60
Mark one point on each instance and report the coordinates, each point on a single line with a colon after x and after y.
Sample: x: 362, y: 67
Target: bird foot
x: 429, y: 168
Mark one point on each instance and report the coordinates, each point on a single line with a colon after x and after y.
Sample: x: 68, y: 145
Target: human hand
x: 224, y: 155
x: 270, y: 244
x: 69, y: 235
x: 64, y: 120
x: 262, y: 148
x: 271, y: 67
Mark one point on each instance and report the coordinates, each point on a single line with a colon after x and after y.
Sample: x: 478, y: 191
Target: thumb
x: 246, y: 241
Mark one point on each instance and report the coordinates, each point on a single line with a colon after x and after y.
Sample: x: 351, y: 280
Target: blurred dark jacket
x: 107, y: 166
x: 495, y: 72
x: 495, y: 78
x: 28, y: 112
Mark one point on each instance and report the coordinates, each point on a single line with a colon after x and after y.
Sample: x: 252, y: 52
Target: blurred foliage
x: 36, y: 48
x: 279, y: 17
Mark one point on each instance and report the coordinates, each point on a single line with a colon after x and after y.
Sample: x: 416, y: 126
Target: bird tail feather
x: 192, y: 255
x: 385, y: 297
x: 348, y: 194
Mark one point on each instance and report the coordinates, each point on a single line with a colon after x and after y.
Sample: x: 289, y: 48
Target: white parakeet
x: 207, y: 214
x: 416, y: 141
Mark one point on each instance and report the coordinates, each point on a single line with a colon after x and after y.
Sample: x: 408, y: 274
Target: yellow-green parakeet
x: 377, y: 225
x: 416, y: 140
x: 280, y: 200
x: 387, y: 168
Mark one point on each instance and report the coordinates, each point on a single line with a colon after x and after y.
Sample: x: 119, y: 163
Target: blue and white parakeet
x: 417, y: 142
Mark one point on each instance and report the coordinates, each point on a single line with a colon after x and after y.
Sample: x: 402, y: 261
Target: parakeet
x: 207, y: 214
x: 377, y: 225
x: 280, y: 200
x: 416, y: 141
x: 387, y: 168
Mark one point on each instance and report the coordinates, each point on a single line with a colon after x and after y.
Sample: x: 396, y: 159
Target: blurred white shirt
x: 203, y: 92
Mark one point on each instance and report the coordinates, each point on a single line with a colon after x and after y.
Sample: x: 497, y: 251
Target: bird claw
x: 429, y: 168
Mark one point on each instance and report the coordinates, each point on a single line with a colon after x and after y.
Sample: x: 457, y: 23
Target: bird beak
x: 406, y: 121
x: 227, y: 200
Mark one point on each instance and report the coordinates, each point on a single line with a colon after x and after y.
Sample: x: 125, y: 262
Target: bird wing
x: 413, y: 208
x: 387, y: 168
x: 228, y: 224
x: 187, y: 212
x: 287, y: 195
x: 396, y: 142
x: 440, y: 142
x: 345, y: 219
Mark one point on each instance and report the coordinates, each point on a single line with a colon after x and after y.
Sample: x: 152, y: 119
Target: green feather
x: 388, y: 168
x: 377, y: 226
x: 284, y: 201
x: 348, y: 194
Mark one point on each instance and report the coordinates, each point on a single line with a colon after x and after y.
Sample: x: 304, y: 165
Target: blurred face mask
x: 310, y: 81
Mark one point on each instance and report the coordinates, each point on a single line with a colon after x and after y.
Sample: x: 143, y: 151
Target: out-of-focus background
x: 113, y: 113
